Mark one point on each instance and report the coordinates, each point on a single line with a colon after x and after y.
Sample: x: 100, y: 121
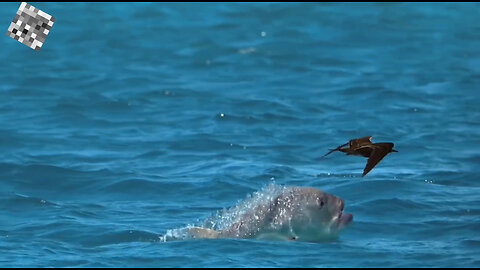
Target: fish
x: 289, y: 213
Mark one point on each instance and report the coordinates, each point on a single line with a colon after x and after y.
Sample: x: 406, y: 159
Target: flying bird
x: 364, y: 147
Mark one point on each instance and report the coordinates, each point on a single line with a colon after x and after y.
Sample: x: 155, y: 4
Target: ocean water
x: 138, y: 118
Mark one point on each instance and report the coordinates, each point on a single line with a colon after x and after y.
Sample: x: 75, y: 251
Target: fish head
x: 319, y: 216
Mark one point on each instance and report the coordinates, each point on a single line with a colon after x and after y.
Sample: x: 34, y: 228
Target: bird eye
x: 322, y: 203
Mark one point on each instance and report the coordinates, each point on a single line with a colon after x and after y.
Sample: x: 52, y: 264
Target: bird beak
x: 393, y: 150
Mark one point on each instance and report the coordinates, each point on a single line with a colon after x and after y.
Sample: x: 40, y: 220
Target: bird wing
x: 355, y: 143
x: 364, y: 150
x: 378, y: 153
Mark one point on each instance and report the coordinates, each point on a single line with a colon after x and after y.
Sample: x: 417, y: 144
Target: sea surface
x: 138, y: 118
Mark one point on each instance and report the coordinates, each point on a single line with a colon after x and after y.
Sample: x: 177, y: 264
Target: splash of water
x: 225, y: 218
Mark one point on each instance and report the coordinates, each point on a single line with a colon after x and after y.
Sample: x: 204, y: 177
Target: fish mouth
x: 344, y: 219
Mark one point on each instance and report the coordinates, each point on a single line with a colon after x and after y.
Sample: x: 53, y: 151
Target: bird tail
x: 331, y: 151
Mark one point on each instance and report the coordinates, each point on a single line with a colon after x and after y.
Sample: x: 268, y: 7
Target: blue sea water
x: 138, y: 118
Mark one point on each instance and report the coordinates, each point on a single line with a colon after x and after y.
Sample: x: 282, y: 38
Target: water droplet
x: 263, y: 33
x: 222, y: 115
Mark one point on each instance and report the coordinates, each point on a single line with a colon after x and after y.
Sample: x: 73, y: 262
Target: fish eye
x: 322, y: 203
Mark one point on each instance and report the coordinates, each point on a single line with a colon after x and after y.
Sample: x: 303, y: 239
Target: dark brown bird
x: 364, y: 147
